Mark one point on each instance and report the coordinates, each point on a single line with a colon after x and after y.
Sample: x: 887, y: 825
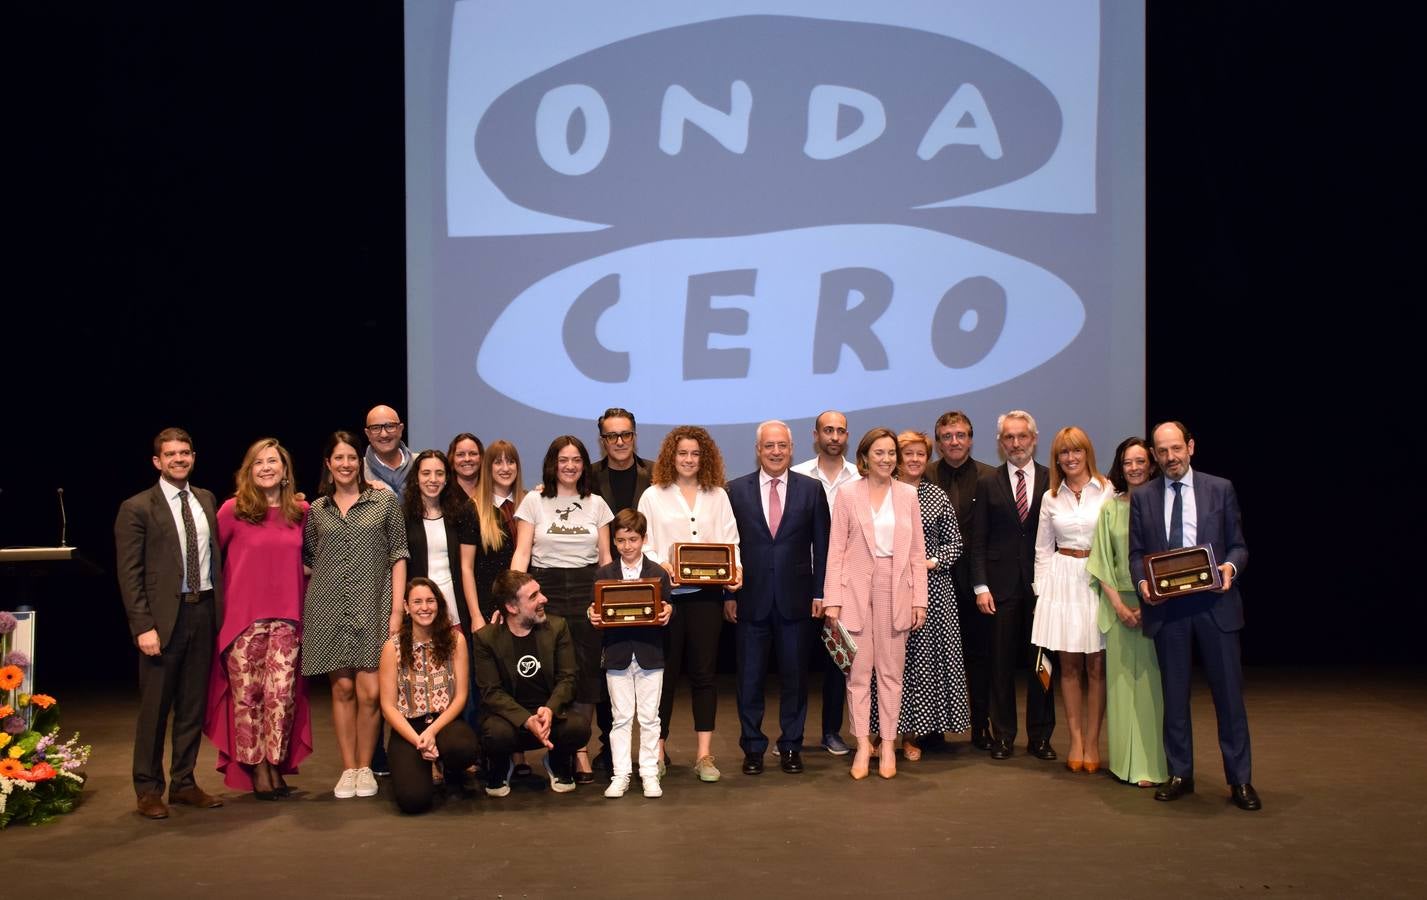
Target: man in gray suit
x: 171, y: 581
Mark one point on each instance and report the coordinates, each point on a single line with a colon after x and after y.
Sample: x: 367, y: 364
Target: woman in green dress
x: 1135, y: 699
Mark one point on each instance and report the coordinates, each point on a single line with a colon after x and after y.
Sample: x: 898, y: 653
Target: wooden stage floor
x: 1340, y: 759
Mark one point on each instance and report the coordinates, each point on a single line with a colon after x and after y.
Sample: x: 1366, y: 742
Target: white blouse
x: 671, y: 521
x: 884, y: 526
x: 1067, y: 522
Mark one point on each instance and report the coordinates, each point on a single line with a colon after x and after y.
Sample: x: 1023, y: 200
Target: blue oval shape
x: 740, y: 329
x: 814, y: 90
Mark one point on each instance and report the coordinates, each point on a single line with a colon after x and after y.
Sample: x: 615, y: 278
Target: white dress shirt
x: 1068, y: 523
x: 1186, y: 493
x: 764, y: 479
x: 812, y: 469
x: 200, y: 522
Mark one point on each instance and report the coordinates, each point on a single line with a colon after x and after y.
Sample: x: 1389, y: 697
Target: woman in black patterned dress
x: 934, y: 698
x: 355, y: 544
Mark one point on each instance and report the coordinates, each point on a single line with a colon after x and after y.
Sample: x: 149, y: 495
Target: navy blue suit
x: 781, y: 577
x: 1211, y: 619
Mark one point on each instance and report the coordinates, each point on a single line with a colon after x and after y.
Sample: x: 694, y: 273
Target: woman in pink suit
x: 257, y: 703
x: 877, y: 587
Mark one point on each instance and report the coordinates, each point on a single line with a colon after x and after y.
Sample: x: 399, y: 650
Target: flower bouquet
x: 39, y: 777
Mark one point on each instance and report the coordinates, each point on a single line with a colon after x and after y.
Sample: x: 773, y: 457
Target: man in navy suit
x: 783, y: 524
x: 1186, y: 508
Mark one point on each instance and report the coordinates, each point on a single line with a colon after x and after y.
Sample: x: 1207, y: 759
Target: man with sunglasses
x: 620, y: 477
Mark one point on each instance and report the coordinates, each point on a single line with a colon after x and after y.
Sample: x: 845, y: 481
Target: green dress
x: 1134, y: 696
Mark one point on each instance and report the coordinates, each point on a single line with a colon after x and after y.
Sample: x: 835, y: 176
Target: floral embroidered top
x: 425, y: 689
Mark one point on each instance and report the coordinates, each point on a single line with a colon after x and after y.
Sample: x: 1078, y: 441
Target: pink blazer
x: 850, y: 562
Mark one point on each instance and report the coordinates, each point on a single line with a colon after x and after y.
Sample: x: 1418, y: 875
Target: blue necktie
x: 1176, y: 517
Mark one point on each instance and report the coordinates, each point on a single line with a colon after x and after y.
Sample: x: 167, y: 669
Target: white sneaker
x: 366, y: 782
x: 502, y: 788
x: 651, y: 787
x: 560, y: 784
x: 346, y: 785
x: 617, y: 786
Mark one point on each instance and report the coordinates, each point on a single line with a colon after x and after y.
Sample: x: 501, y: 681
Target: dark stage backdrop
x: 210, y: 233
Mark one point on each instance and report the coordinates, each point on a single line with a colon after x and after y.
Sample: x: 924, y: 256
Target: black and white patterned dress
x: 934, y: 696
x: 348, y: 603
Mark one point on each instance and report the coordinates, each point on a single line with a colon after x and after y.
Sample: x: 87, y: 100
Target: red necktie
x: 507, y: 511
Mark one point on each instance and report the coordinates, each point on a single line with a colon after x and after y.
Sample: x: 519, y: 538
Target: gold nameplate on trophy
x: 1188, y: 570
x: 636, y: 602
x: 704, y: 564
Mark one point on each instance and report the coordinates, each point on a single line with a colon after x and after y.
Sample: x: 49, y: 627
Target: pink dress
x: 262, y: 579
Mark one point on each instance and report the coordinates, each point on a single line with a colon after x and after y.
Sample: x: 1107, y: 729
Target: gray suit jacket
x: 149, y: 560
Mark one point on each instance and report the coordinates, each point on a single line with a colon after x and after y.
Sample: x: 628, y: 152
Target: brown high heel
x: 1075, y: 765
x: 858, y: 772
x: 1092, y: 766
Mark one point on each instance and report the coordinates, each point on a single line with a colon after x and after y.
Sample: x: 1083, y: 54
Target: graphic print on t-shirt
x: 527, y: 666
x: 562, y: 526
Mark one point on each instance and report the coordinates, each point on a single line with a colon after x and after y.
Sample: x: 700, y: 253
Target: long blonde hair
x: 250, y: 502
x: 487, y: 516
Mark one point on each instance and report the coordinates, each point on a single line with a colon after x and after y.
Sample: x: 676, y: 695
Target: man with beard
x: 831, y: 468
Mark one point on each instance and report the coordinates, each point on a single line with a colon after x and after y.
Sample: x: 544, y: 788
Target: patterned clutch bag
x: 840, y: 645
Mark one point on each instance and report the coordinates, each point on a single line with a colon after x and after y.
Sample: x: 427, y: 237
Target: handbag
x: 839, y: 643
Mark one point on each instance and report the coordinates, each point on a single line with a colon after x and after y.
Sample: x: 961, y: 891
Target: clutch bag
x: 839, y: 643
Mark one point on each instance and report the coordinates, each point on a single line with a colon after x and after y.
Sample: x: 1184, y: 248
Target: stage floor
x: 1338, y: 760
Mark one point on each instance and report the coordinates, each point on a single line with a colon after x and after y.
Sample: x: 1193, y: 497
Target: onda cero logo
x: 758, y: 191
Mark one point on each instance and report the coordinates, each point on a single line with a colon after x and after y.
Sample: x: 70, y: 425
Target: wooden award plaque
x: 1188, y: 570
x: 704, y: 564
x: 623, y: 603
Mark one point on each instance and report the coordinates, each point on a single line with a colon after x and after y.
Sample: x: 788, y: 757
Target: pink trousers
x: 261, y: 678
x: 881, y: 653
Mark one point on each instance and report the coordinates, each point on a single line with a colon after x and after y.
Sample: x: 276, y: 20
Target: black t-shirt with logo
x: 530, y: 691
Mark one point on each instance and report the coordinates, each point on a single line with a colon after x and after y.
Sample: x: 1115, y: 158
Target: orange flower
x: 42, y: 771
x: 43, y: 701
x: 6, y: 710
x: 10, y: 678
x: 11, y: 768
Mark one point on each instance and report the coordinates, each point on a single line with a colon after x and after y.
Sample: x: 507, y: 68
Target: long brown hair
x: 453, y: 501
x: 487, y: 516
x: 443, y: 639
x: 710, y: 460
x: 250, y: 503
x: 327, y: 487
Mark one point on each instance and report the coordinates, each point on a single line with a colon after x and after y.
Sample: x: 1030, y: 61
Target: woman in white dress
x: 1066, y: 607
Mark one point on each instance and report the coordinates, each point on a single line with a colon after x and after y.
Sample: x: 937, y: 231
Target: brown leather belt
x: 1067, y: 551
x: 196, y: 596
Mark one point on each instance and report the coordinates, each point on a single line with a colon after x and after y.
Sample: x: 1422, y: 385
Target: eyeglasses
x: 383, y: 428
x: 618, y: 437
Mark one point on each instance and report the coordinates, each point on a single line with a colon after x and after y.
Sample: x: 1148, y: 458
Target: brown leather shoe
x: 151, y: 806
x: 195, y: 796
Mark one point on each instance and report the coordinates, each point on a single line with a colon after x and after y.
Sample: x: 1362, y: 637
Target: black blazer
x: 599, y: 484
x: 149, y: 561
x: 460, y: 530
x: 1003, y: 550
x: 644, y: 643
x: 493, y: 655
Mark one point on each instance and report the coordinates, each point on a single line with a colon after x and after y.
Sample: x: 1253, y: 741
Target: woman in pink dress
x: 257, y: 703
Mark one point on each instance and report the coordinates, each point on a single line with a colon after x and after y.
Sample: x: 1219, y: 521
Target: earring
x: 283, y: 483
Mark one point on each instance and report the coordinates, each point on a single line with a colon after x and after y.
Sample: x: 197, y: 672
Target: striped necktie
x: 1023, y: 508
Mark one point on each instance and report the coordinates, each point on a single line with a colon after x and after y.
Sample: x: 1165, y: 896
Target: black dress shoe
x: 981, y: 739
x: 1041, y: 750
x: 1175, y: 788
x: 1245, y: 797
x: 1001, y: 750
x: 603, y: 761
x: 753, y: 763
x: 791, y: 761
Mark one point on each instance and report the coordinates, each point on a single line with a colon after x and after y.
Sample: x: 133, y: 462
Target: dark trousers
x: 500, y: 739
x: 976, y: 639
x: 834, y: 682
x: 569, y: 592
x: 691, y: 647
x: 788, y: 638
x: 1010, y: 649
x: 175, y: 681
x: 411, y: 774
x: 1224, y: 671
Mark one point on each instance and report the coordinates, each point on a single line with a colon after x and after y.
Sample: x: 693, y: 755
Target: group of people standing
x: 442, y: 598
